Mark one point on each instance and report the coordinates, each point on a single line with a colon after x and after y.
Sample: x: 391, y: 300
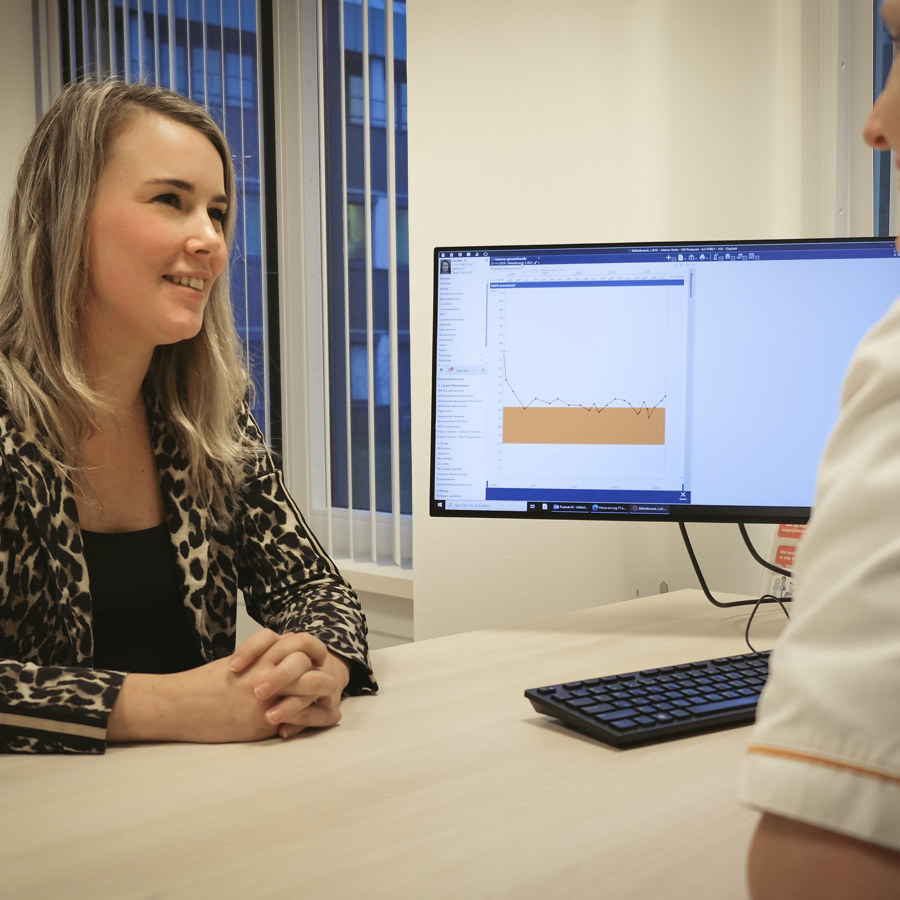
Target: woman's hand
x: 273, y: 684
x: 296, y: 675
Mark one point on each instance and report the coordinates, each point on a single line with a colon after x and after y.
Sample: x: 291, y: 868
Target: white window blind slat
x: 97, y: 50
x: 393, y: 318
x: 205, y: 56
x: 170, y: 16
x: 139, y: 34
x: 350, y: 531
x: 189, y: 49
x: 126, y: 38
x: 85, y: 45
x: 324, y: 217
x: 370, y: 280
x: 242, y: 165
x: 111, y: 18
x: 156, y: 49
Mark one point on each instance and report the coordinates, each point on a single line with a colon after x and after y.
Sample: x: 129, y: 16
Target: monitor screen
x: 692, y: 382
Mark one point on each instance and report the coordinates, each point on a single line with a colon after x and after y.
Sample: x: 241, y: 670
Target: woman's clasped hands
x: 295, y: 679
x: 273, y: 684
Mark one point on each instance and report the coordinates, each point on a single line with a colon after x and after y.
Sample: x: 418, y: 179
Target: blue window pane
x: 883, y: 56
x: 345, y: 107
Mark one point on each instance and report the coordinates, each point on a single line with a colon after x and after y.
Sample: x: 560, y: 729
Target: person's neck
x: 120, y: 383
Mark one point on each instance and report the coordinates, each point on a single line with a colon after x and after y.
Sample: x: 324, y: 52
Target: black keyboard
x: 659, y: 704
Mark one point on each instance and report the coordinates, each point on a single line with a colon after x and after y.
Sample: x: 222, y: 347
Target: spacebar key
x: 708, y: 709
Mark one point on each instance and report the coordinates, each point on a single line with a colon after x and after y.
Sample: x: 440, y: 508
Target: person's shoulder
x: 21, y: 444
x: 8, y: 425
x: 19, y: 452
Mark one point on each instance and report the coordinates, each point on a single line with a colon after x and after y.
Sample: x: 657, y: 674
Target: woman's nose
x: 880, y: 131
x: 874, y: 131
x: 205, y: 236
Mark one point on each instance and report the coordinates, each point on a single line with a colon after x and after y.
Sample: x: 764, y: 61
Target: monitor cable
x: 763, y: 562
x: 756, y: 602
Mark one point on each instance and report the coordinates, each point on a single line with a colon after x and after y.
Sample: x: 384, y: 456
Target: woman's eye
x: 169, y: 200
x: 220, y: 216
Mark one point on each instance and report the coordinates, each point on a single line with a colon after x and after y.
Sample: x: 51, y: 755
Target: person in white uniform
x: 823, y: 762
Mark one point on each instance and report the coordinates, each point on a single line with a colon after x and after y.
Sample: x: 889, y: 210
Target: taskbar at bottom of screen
x: 550, y: 508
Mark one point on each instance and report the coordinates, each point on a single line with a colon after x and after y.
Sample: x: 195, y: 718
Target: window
x: 330, y: 352
x: 360, y: 165
x: 344, y: 251
x: 209, y: 52
x: 883, y: 54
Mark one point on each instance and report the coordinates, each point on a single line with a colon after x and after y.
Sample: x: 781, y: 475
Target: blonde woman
x: 136, y: 494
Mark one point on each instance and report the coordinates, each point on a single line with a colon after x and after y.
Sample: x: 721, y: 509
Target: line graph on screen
x: 590, y: 382
x: 575, y: 424
x: 613, y: 344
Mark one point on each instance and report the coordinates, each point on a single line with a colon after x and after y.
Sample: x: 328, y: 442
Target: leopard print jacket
x: 51, y: 697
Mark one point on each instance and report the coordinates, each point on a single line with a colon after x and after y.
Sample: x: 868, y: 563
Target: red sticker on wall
x: 784, y: 555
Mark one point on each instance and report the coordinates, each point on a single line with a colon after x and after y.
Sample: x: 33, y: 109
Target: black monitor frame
x: 656, y: 254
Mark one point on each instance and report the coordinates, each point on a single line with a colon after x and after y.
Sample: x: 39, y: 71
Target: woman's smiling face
x: 156, y: 236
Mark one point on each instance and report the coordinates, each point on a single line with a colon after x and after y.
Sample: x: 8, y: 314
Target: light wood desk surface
x: 445, y: 785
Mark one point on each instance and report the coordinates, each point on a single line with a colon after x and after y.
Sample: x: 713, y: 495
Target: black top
x: 139, y: 619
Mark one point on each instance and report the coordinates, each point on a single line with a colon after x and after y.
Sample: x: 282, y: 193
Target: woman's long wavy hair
x: 199, y: 384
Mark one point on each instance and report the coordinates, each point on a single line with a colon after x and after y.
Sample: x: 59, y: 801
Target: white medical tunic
x: 826, y: 745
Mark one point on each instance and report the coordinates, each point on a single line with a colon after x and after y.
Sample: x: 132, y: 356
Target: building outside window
x: 365, y: 185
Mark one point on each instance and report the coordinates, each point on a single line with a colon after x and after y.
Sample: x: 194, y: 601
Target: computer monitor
x: 671, y: 382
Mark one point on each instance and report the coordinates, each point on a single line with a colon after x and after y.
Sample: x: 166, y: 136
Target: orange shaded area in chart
x: 577, y: 425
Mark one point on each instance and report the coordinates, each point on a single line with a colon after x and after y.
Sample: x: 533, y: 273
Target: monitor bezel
x: 695, y: 513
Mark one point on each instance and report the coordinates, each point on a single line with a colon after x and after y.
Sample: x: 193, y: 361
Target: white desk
x: 446, y: 785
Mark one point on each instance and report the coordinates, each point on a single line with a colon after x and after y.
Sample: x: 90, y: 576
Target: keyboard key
x: 576, y: 702
x: 615, y: 714
x: 624, y: 724
x: 705, y: 709
x: 597, y: 709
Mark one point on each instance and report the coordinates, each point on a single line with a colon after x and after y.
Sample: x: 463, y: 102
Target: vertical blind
x: 207, y: 50
x: 362, y: 131
x: 344, y: 267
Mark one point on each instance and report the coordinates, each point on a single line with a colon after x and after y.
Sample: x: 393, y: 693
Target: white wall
x: 17, y: 78
x: 663, y: 119
x: 600, y: 120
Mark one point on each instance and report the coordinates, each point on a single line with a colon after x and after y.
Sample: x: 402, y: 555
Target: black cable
x: 755, y: 603
x: 763, y: 562
x: 720, y: 603
x: 766, y: 598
